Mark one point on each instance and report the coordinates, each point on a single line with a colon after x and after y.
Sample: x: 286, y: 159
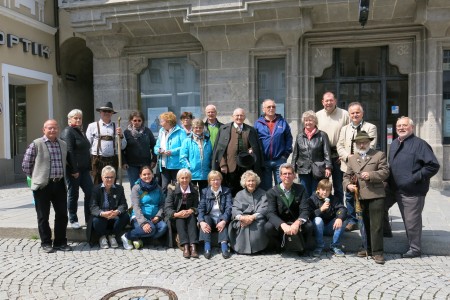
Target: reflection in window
x: 272, y: 82
x: 446, y: 96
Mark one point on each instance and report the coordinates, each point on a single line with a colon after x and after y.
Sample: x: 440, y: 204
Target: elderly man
x: 366, y: 171
x: 331, y: 119
x: 346, y: 149
x: 237, y: 149
x: 412, y: 164
x: 102, y: 136
x: 276, y: 139
x: 45, y: 163
x: 212, y: 124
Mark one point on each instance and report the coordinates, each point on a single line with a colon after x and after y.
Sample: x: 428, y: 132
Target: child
x: 327, y: 214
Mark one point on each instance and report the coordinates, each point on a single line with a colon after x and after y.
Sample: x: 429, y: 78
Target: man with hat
x: 237, y: 150
x: 102, y: 136
x: 366, y: 171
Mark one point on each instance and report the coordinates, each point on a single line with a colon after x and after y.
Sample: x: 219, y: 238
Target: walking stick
x: 119, y: 154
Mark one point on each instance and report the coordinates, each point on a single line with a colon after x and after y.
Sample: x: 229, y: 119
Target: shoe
x: 47, y: 249
x: 127, y: 245
x: 63, y: 248
x: 112, y: 241
x: 411, y: 254
x: 351, y: 227
x: 226, y: 254
x: 317, y: 252
x: 379, y: 259
x: 387, y: 234
x: 364, y: 253
x: 138, y: 244
x: 207, y: 254
x: 338, y: 252
x: 186, y: 251
x: 103, y: 242
x: 194, y: 253
x: 75, y: 225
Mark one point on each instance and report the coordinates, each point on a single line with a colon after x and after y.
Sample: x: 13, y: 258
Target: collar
x: 237, y: 126
x: 105, y: 124
x: 218, y: 191
x: 271, y: 121
x: 113, y: 186
x: 187, y: 191
x: 46, y: 139
x: 360, y: 124
x: 284, y: 188
x: 406, y: 137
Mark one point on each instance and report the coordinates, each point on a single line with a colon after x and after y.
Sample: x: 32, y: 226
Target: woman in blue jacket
x: 196, y: 154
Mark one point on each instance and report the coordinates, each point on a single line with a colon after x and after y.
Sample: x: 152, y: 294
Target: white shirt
x: 106, y: 147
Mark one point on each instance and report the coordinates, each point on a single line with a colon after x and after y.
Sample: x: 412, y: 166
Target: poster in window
x: 195, y: 110
x: 447, y: 118
x: 153, y: 118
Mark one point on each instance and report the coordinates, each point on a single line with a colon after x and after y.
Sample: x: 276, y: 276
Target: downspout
x: 57, y: 50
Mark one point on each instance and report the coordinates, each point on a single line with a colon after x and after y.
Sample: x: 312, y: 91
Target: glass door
x: 18, y: 117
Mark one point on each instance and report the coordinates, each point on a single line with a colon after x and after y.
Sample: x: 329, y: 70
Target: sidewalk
x: 18, y: 220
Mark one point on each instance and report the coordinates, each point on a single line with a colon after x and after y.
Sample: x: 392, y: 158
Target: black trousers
x: 187, y: 229
x: 53, y: 193
x: 373, y: 215
x: 275, y: 236
x: 223, y: 236
x: 233, y: 180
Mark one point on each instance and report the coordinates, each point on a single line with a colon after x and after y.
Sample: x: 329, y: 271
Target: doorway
x: 18, y: 128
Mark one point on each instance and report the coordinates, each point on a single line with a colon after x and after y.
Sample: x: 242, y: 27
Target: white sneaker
x: 103, y: 242
x: 75, y: 225
x: 112, y: 241
x: 138, y: 244
x: 127, y: 245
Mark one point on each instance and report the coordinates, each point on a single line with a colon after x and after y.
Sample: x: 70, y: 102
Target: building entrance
x: 18, y: 128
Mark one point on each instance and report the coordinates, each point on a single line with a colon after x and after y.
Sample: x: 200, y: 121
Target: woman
x: 168, y: 148
x: 181, y: 208
x: 196, y: 155
x: 246, y: 230
x: 139, y: 151
x: 311, y: 146
x: 186, y: 122
x: 78, y: 166
x: 109, y: 209
x: 147, y: 215
x: 214, y: 213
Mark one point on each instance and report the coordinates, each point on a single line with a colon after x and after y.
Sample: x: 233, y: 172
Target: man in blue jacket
x: 412, y: 163
x: 276, y: 139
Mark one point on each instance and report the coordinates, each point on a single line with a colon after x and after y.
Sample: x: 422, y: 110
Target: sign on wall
x: 11, y: 41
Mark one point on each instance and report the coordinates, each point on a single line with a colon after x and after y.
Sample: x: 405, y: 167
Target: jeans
x: 223, y: 236
x: 133, y: 174
x: 320, y: 228
x: 158, y: 230
x: 271, y: 171
x: 84, y: 181
x: 337, y: 176
x: 309, y: 182
x: 350, y: 204
x: 103, y: 226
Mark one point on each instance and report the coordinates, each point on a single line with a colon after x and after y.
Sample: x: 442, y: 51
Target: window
x: 446, y: 96
x: 272, y: 82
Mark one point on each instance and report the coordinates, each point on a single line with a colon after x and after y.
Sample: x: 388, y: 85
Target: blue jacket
x: 174, y: 142
x: 146, y: 205
x: 279, y: 143
x: 207, y: 202
x: 190, y: 158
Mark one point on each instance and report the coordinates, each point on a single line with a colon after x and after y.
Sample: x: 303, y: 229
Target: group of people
x: 233, y: 178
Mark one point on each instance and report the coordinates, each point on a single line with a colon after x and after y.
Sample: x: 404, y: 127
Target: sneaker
x: 75, y: 225
x: 127, y: 245
x: 138, y: 244
x: 338, y: 252
x: 317, y: 252
x: 112, y: 241
x: 47, y: 249
x: 103, y: 242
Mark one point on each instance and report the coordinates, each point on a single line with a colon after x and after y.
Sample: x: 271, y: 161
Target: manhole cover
x: 141, y: 293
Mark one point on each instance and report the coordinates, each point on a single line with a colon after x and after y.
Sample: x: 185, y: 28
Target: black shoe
x: 387, y: 234
x: 63, y: 248
x: 47, y: 249
x: 411, y: 254
x: 226, y: 254
x: 207, y: 254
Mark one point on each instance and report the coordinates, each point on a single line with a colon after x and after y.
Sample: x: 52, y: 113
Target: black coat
x: 335, y: 210
x: 207, y: 202
x: 78, y: 150
x: 174, y: 200
x: 139, y: 151
x: 317, y: 150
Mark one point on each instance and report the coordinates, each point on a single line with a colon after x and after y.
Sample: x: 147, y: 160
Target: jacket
x: 335, y: 210
x: 174, y: 142
x: 317, y: 150
x: 117, y: 201
x: 412, y: 164
x: 279, y: 143
x: 174, y: 200
x: 78, y: 150
x: 147, y: 206
x: 191, y: 159
x: 206, y: 204
x: 139, y: 151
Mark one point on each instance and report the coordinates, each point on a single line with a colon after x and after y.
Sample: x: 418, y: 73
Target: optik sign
x: 12, y: 40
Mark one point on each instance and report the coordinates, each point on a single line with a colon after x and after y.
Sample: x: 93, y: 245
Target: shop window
x: 446, y: 96
x: 169, y: 84
x: 272, y: 82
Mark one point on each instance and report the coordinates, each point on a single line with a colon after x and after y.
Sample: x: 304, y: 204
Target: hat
x: 246, y: 160
x: 108, y: 107
x: 362, y: 135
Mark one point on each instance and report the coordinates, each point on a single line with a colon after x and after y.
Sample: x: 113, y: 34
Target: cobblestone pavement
x: 89, y: 273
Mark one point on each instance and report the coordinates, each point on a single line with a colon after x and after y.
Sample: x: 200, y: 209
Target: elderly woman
x: 196, y: 154
x: 78, y: 166
x: 147, y: 216
x: 214, y: 213
x: 186, y: 121
x: 139, y: 151
x: 168, y: 147
x: 246, y: 230
x: 312, y: 146
x: 109, y: 209
x: 181, y: 209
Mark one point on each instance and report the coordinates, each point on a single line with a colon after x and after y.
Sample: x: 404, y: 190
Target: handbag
x: 318, y: 169
x: 294, y: 243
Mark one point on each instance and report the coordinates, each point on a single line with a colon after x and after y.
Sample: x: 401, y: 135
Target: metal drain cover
x: 141, y: 293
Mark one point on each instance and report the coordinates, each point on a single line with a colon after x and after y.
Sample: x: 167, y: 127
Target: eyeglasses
x: 137, y: 121
x: 109, y: 177
x: 271, y: 106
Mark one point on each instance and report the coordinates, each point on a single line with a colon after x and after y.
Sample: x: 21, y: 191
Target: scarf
x: 199, y: 140
x: 310, y: 133
x: 80, y: 128
x: 147, y: 187
x: 136, y: 132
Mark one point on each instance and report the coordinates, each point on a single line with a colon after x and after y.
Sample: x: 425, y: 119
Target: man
x: 346, y: 148
x: 412, y: 164
x: 212, y: 124
x: 287, y: 210
x: 276, y: 139
x: 102, y: 136
x: 366, y: 171
x: 331, y: 120
x: 45, y: 163
x: 237, y: 149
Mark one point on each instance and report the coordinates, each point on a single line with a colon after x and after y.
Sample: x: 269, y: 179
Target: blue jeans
x: 337, y: 180
x: 350, y: 204
x: 103, y: 226
x: 133, y: 175
x: 320, y: 228
x: 271, y: 171
x: 158, y: 230
x: 84, y: 181
x: 309, y: 182
x: 223, y: 236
